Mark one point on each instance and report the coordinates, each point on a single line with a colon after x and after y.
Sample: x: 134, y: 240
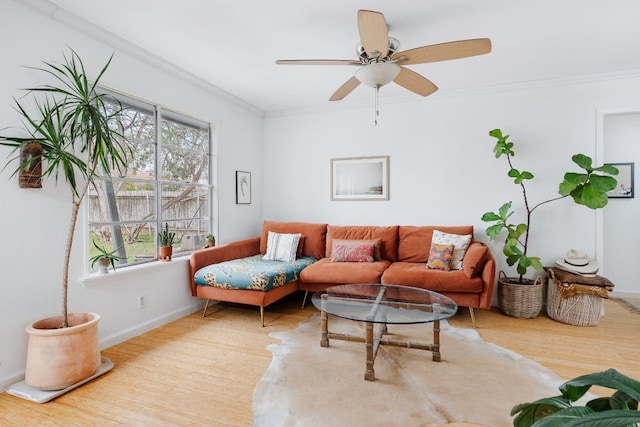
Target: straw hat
x: 578, y: 262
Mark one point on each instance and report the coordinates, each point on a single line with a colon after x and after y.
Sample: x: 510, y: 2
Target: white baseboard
x: 127, y: 334
x: 616, y: 294
x: 122, y: 336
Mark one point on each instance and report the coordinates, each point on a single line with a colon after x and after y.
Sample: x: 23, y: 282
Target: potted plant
x: 620, y: 409
x: 588, y: 188
x: 210, y: 241
x: 104, y: 258
x: 166, y: 239
x: 71, y: 122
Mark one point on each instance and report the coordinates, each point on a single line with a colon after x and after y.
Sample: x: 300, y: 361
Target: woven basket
x: 522, y: 300
x: 578, y: 310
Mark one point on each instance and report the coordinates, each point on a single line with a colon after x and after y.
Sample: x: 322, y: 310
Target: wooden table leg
x: 324, y: 341
x: 436, y: 341
x: 369, y: 374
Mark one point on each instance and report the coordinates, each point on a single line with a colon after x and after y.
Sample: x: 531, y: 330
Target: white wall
x: 443, y: 170
x: 621, y: 230
x: 33, y: 223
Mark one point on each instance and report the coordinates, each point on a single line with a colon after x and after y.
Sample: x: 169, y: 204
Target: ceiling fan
x: 380, y: 63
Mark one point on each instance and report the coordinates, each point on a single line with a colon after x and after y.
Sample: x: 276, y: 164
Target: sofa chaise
x: 399, y: 255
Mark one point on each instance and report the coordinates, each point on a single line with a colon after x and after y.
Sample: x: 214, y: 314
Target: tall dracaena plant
x: 588, y: 188
x: 74, y: 124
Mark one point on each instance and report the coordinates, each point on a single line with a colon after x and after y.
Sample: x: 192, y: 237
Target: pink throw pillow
x: 353, y: 253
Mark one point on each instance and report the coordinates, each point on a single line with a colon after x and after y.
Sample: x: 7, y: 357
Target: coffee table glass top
x: 389, y: 304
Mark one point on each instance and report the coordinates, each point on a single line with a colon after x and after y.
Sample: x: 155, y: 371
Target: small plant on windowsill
x: 104, y: 258
x: 166, y: 239
x: 209, y: 241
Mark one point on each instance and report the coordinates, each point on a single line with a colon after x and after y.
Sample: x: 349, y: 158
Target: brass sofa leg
x: 262, y: 315
x: 473, y: 317
x: 304, y: 300
x: 204, y: 312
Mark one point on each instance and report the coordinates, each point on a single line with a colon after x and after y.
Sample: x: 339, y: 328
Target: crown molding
x: 455, y: 93
x: 85, y: 27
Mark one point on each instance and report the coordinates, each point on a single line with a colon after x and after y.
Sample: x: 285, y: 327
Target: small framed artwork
x: 360, y: 178
x: 243, y: 188
x: 624, y: 190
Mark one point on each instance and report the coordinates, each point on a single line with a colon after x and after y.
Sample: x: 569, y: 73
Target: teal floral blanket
x: 251, y: 273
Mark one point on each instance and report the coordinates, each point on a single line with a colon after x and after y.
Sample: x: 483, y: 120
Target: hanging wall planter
x: 30, y: 176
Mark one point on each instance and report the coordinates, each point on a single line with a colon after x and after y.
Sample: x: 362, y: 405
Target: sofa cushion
x: 415, y: 241
x: 475, y: 259
x: 362, y: 252
x: 388, y: 234
x: 440, y: 257
x: 353, y: 242
x: 416, y: 274
x: 460, y: 243
x: 314, y: 236
x: 252, y: 273
x: 325, y: 271
x: 282, y: 246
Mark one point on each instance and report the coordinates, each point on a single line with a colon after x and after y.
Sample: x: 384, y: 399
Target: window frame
x: 159, y: 114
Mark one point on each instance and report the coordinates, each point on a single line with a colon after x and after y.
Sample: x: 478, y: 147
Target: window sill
x: 96, y: 279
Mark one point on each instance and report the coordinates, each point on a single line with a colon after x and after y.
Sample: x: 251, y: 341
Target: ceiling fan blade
x: 345, y: 89
x: 414, y: 82
x: 443, y: 51
x: 373, y: 32
x: 318, y: 62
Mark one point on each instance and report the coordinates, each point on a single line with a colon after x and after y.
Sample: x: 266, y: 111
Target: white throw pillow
x: 460, y: 245
x: 282, y: 247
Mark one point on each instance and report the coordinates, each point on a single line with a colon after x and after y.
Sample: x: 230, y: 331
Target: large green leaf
x: 490, y: 216
x: 603, y: 183
x: 584, y: 417
x: 577, y: 387
x: 583, y: 161
x: 529, y: 413
x: 591, y: 197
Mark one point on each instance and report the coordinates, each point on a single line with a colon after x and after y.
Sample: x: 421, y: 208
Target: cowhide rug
x: 476, y: 382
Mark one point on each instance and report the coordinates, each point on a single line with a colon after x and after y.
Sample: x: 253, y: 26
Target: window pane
x: 133, y: 250
x: 137, y: 125
x: 190, y: 235
x: 134, y: 201
x: 185, y: 152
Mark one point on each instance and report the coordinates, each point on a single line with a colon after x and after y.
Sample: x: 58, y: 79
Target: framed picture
x: 360, y: 178
x: 624, y: 190
x: 243, y: 188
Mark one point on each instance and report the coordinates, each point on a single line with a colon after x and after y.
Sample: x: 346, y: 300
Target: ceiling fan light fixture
x: 378, y: 74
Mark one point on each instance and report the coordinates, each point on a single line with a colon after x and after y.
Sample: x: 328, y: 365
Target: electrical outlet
x: 141, y: 302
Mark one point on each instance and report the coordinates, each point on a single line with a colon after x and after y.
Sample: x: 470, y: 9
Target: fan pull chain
x: 376, y: 107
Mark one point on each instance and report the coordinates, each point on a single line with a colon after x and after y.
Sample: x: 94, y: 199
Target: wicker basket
x: 578, y: 310
x: 522, y: 300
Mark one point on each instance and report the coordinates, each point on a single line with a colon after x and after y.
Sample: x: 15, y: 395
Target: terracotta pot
x: 60, y: 357
x: 165, y: 253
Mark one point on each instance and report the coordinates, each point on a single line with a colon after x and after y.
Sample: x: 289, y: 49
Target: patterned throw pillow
x: 440, y: 257
x: 282, y: 247
x: 353, y: 253
x: 354, y: 242
x: 460, y: 242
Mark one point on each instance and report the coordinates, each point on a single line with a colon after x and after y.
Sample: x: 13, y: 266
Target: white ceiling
x: 234, y: 44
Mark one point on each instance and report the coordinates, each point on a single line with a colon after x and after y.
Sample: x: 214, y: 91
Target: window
x: 168, y: 181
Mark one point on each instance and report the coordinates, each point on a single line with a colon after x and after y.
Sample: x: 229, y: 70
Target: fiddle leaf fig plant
x: 588, y: 188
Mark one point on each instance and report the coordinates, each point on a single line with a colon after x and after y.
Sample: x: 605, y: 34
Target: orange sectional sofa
x: 402, y: 260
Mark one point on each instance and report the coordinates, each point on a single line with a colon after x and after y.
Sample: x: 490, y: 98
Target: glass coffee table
x: 383, y: 305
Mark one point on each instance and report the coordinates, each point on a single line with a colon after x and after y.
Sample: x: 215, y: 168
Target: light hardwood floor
x: 202, y: 371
